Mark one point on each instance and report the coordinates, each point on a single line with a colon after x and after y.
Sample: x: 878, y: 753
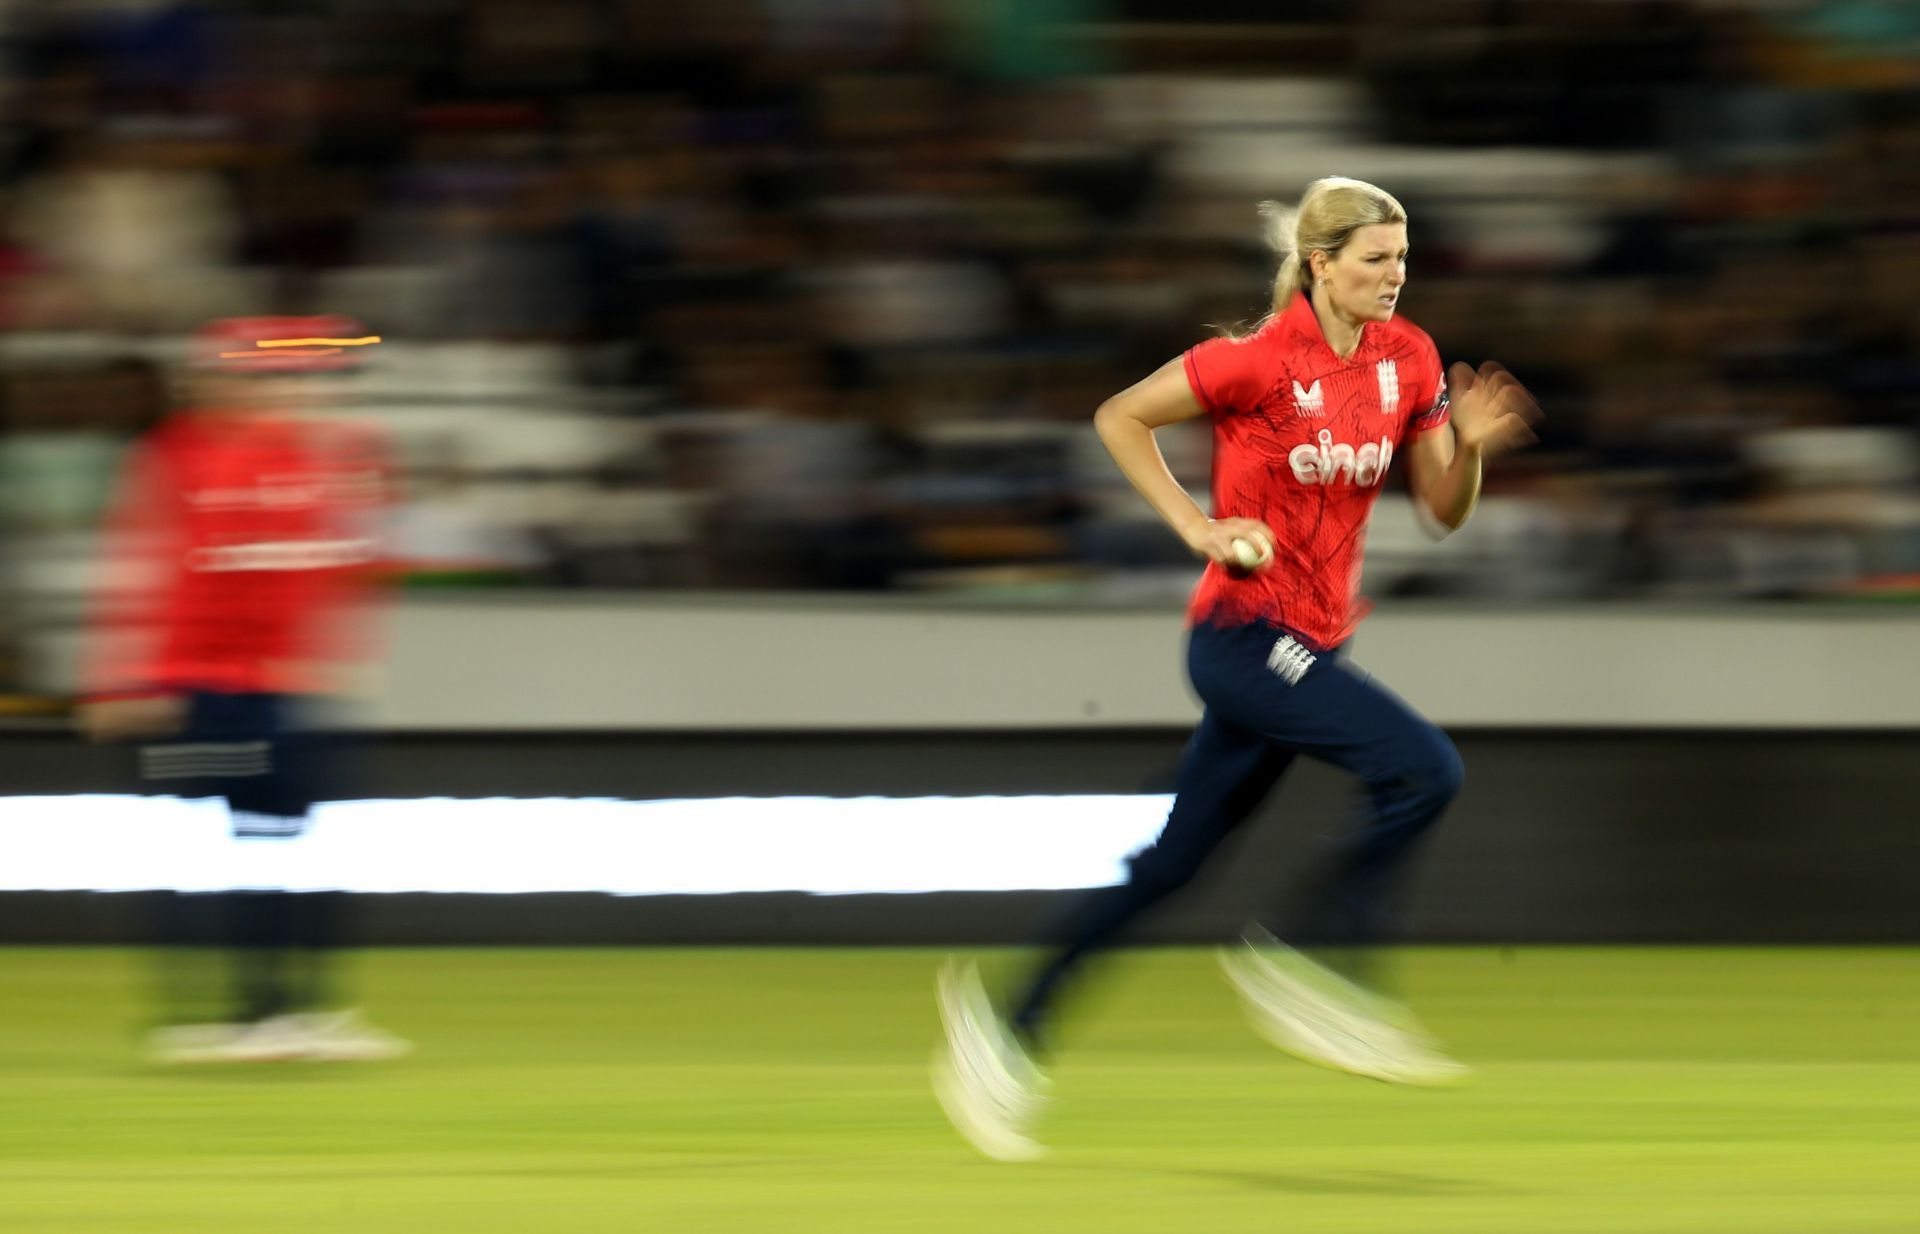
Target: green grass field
x: 1744, y: 1092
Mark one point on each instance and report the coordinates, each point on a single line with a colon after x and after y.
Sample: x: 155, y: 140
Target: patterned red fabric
x: 239, y: 552
x: 1303, y: 440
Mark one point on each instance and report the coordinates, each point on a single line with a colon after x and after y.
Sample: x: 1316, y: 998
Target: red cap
x: 280, y: 344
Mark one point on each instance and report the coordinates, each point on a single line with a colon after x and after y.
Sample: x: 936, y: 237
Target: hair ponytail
x: 1281, y: 229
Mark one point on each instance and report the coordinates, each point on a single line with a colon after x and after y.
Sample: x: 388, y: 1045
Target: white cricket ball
x: 1249, y: 554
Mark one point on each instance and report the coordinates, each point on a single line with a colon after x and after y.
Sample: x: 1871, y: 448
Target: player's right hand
x: 1214, y: 539
x: 129, y: 719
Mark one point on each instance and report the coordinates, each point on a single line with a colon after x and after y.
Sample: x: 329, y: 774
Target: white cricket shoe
x: 990, y: 1089
x: 268, y: 1041
x: 308, y: 1037
x: 185, y: 1044
x: 345, y: 1037
x: 1320, y: 1017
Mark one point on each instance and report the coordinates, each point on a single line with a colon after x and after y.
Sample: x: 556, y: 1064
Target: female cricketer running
x: 1310, y: 412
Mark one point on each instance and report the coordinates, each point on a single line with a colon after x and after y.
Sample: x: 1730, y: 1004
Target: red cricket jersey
x: 1302, y: 440
x: 240, y: 549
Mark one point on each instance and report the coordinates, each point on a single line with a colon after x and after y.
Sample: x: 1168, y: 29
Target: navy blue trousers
x: 256, y: 752
x: 1270, y: 699
x: 253, y: 750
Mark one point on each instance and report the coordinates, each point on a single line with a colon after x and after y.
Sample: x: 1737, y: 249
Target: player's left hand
x: 1492, y: 412
x: 129, y: 719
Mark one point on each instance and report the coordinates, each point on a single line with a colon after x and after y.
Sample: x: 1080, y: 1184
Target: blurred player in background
x: 1309, y: 411
x: 241, y: 552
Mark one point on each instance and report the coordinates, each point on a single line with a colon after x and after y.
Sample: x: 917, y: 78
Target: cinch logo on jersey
x: 262, y: 496
x: 1289, y: 660
x: 1326, y: 462
x: 283, y: 555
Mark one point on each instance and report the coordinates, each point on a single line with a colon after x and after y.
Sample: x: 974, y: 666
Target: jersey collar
x: 1299, y: 320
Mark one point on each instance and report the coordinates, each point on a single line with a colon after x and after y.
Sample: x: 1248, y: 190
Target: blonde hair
x: 1330, y: 211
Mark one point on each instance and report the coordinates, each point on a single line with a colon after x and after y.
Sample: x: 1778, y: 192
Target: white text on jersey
x: 1327, y: 462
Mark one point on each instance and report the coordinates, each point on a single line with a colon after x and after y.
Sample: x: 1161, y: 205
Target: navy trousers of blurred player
x: 1268, y: 700
x: 255, y: 751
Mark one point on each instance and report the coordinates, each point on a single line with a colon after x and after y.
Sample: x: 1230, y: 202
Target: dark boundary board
x: 1682, y: 836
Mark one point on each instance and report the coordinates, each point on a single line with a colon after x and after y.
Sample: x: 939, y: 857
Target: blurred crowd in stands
x: 822, y: 293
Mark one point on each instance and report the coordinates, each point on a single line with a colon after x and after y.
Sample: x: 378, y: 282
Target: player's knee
x: 1160, y: 871
x: 1440, y: 775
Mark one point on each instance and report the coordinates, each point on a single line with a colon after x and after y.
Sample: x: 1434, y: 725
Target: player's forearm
x: 1133, y: 447
x: 1454, y: 493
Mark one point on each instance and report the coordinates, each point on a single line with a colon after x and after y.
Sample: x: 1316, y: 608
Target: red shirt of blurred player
x: 243, y: 537
x: 1302, y: 441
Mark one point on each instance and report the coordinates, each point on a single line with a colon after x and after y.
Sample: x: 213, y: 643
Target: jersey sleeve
x: 1228, y: 375
x: 336, y: 603
x: 1434, y: 408
x: 139, y: 589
